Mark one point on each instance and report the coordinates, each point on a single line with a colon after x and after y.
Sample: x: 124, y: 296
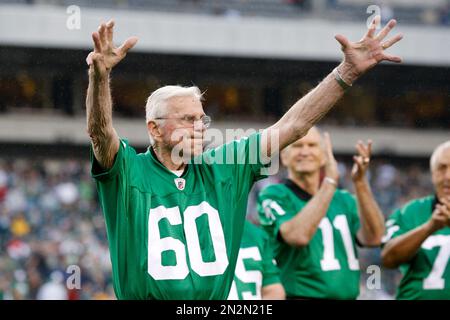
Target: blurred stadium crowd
x: 50, y: 219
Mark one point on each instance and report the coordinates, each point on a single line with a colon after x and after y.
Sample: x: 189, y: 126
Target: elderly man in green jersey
x: 316, y: 226
x: 418, y: 237
x: 257, y: 276
x: 174, y: 225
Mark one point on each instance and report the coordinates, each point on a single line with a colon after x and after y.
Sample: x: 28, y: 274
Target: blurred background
x: 253, y: 59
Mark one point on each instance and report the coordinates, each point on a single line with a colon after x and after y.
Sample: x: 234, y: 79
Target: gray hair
x: 156, y: 106
x: 437, y: 152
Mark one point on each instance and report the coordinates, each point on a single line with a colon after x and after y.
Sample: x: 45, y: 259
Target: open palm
x: 105, y: 56
x: 370, y: 50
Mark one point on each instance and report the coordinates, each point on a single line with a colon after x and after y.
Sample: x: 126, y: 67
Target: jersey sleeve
x: 119, y: 166
x: 272, y: 208
x: 271, y: 273
x: 395, y: 226
x: 241, y: 159
x: 112, y: 184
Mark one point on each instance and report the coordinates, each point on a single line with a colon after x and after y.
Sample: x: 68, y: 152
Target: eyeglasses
x: 206, y: 120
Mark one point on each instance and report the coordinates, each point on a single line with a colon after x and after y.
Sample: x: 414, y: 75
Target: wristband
x: 344, y: 85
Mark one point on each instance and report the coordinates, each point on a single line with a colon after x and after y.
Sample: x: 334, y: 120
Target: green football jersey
x: 328, y: 267
x: 427, y: 275
x: 176, y: 237
x: 255, y: 267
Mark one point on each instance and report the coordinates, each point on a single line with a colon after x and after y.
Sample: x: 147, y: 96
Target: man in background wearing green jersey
x: 317, y: 226
x: 174, y: 228
x: 418, y: 237
x: 256, y: 276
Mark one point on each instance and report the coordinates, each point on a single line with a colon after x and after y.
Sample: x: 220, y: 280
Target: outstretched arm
x: 104, y: 139
x: 359, y: 57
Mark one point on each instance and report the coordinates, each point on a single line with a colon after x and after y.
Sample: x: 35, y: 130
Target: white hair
x: 437, y: 152
x: 156, y: 106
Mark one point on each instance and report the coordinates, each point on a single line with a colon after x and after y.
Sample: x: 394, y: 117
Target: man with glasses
x: 174, y: 225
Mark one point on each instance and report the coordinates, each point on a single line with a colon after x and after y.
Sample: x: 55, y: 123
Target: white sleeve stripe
x: 274, y: 205
x: 390, y: 232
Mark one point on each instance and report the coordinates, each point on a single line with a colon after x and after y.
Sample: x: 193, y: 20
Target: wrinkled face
x: 306, y: 155
x: 440, y: 173
x: 182, y: 130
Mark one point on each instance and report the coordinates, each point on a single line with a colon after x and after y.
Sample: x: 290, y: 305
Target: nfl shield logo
x: 180, y: 183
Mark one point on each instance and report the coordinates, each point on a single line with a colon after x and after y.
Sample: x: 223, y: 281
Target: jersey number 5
x: 157, y: 245
x: 249, y: 277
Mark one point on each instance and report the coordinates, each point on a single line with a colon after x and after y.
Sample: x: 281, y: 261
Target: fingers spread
x: 371, y: 32
x: 102, y: 33
x: 387, y: 28
x: 342, y: 40
x: 97, y: 43
x: 392, y: 58
x: 392, y: 41
x: 128, y: 44
x: 109, y: 31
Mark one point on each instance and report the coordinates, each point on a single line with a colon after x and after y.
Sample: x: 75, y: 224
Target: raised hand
x: 331, y: 167
x: 361, y: 160
x: 363, y: 55
x: 105, y: 55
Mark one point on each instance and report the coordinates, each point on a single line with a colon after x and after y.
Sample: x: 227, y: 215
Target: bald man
x: 316, y: 226
x: 418, y: 237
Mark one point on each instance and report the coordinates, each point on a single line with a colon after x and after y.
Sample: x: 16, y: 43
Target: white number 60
x: 157, y: 245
